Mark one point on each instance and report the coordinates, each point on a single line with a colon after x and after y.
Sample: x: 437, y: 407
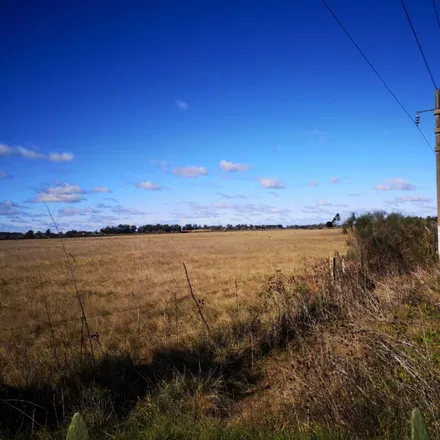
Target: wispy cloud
x: 316, y: 210
x: 334, y: 179
x: 66, y: 193
x: 233, y: 167
x: 132, y: 211
x: 147, y: 185
x: 398, y: 184
x: 409, y: 199
x: 111, y: 199
x: 182, y: 104
x: 321, y: 135
x: 68, y: 212
x: 163, y: 164
x: 9, y: 208
x: 26, y: 153
x: 3, y: 174
x: 104, y: 206
x: 65, y: 198
x: 228, y: 196
x: 274, y: 193
x: 270, y: 182
x: 190, y: 171
x: 323, y: 203
x: 101, y: 189
x: 29, y: 154
x: 61, y: 157
x: 313, y: 183
x: 6, y: 150
x: 251, y: 208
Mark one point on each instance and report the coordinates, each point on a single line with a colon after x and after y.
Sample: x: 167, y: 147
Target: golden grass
x: 118, y: 273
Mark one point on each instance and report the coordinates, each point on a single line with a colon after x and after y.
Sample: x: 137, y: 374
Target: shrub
x: 391, y: 243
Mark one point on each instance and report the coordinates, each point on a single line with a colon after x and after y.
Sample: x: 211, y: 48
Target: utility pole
x: 436, y: 111
x: 437, y: 160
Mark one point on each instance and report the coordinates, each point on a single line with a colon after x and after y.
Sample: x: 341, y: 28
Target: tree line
x: 160, y: 229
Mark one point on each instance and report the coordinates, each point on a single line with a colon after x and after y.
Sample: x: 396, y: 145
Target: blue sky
x: 211, y: 112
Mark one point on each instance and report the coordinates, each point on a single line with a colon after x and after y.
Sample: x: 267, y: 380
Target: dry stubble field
x: 134, y: 289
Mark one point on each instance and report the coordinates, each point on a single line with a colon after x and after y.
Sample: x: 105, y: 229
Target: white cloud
x: 61, y: 157
x: 190, y: 171
x: 323, y: 203
x: 313, y: 183
x: 334, y: 179
x: 269, y: 182
x: 3, y: 174
x: 148, y: 186
x: 101, y: 189
x: 233, y: 167
x: 65, y: 189
x: 67, y: 212
x: 182, y: 104
x: 66, y: 193
x: 66, y: 198
x: 398, y: 184
x: 29, y: 154
x: 6, y: 150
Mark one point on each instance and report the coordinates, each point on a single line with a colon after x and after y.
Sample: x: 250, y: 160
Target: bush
x: 391, y: 243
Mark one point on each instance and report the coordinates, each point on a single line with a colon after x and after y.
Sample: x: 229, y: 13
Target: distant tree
x: 39, y: 234
x: 48, y: 233
x: 329, y: 224
x: 30, y: 234
x: 336, y: 219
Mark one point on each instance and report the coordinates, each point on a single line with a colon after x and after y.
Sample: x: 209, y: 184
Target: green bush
x: 391, y: 243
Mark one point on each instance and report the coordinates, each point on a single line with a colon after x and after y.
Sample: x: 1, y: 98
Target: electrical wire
x: 376, y: 72
x: 436, y: 12
x: 418, y: 42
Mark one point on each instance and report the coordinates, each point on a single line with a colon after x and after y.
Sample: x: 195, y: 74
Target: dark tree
x: 336, y: 219
x: 30, y: 234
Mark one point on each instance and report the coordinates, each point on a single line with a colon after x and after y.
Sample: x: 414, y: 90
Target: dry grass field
x: 134, y: 287
x: 271, y: 346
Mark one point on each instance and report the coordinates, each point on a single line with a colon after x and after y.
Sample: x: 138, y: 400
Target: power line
x: 436, y: 13
x: 376, y: 72
x: 418, y: 42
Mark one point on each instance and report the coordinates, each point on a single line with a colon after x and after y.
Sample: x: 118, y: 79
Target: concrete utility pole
x: 437, y: 160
